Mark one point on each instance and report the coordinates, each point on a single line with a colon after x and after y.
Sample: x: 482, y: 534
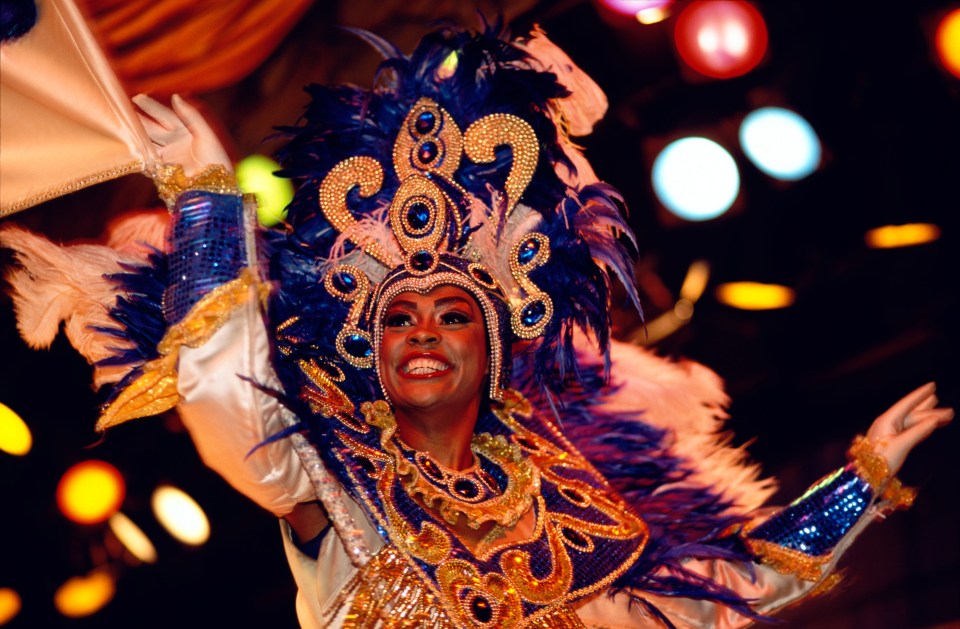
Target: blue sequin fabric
x: 817, y: 521
x: 208, y: 249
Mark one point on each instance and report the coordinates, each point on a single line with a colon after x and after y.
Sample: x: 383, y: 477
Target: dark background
x: 868, y: 325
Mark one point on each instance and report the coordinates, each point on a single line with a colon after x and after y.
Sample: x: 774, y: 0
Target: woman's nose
x: 423, y: 335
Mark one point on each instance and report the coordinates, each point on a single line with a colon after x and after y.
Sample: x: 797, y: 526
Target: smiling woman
x: 426, y: 474
x: 433, y: 364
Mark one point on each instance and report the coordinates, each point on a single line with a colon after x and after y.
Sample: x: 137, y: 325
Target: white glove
x: 181, y: 135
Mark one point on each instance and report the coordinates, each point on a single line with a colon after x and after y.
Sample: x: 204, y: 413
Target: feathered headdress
x: 454, y: 168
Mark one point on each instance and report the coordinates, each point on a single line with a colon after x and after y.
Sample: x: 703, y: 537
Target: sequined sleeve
x: 208, y: 248
x: 805, y: 537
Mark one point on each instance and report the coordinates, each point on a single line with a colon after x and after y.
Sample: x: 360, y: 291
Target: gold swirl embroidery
x: 464, y: 587
x: 323, y: 395
x: 485, y: 135
x: 442, y: 132
x: 787, y: 560
x: 361, y: 171
x: 873, y: 468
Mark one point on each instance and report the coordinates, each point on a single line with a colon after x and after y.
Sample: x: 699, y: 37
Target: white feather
x: 56, y: 284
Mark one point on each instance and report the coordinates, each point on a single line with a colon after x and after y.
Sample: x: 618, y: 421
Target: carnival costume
x: 457, y: 168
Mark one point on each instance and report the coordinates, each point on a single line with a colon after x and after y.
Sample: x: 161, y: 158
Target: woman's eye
x: 396, y: 320
x: 454, y: 317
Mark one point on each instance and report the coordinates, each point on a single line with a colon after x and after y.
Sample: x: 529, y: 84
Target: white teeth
x: 420, y: 366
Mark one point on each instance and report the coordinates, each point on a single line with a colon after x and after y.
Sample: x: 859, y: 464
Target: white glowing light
x: 696, y: 179
x: 781, y: 143
x: 180, y: 515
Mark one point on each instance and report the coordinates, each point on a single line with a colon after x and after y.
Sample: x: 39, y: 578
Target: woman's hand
x: 181, y: 135
x: 905, y: 424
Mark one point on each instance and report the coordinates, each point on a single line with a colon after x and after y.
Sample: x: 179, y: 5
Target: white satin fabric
x: 65, y: 120
x: 228, y: 416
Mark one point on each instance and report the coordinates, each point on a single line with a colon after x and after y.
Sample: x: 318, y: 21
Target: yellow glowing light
x: 892, y: 236
x: 255, y: 176
x: 90, y: 492
x: 83, y: 596
x: 948, y: 42
x: 15, y: 437
x: 755, y: 295
x: 132, y: 537
x: 696, y: 281
x: 10, y: 605
x: 652, y: 15
x: 180, y: 515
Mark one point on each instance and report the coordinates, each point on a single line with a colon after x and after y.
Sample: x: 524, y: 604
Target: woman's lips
x: 424, y: 366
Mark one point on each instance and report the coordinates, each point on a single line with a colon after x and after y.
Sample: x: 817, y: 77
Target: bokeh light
x: 180, y: 515
x: 85, y: 595
x: 893, y: 236
x: 948, y: 42
x: 90, y: 492
x: 781, y: 143
x: 132, y: 537
x: 755, y: 295
x: 255, y: 176
x: 10, y: 605
x: 696, y: 179
x: 636, y: 7
x: 721, y: 38
x: 15, y: 437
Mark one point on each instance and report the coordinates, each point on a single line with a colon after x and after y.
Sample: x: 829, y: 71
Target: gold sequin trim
x: 388, y: 593
x: 71, y: 186
x: 787, y: 560
x: 155, y: 390
x: 171, y: 181
x: 873, y: 468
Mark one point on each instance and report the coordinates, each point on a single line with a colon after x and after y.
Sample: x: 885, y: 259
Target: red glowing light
x: 721, y: 38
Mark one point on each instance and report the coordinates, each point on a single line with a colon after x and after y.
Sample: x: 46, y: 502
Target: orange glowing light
x: 86, y: 595
x: 948, y: 42
x: 755, y: 295
x: 90, y: 492
x: 10, y: 605
x: 893, y: 236
x: 721, y: 38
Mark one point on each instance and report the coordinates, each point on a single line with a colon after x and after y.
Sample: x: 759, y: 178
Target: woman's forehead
x: 444, y: 294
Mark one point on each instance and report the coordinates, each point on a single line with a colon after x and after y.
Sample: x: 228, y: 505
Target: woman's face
x: 433, y: 351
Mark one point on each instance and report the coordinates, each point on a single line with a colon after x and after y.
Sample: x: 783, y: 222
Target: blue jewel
x: 418, y: 215
x: 480, y: 607
x: 425, y: 122
x: 532, y: 314
x: 528, y: 250
x: 357, y: 346
x: 421, y: 261
x: 428, y: 152
x: 344, y: 282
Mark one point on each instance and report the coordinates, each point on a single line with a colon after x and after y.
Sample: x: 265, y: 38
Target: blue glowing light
x: 781, y: 143
x: 696, y: 179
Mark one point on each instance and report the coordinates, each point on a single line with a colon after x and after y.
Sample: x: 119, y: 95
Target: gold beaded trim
x: 506, y: 509
x: 357, y: 298
x: 155, y: 390
x: 787, y: 560
x: 485, y: 135
x: 873, y: 468
x: 171, y: 181
x: 521, y: 273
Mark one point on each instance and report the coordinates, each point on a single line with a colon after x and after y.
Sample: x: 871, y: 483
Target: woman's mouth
x: 424, y: 367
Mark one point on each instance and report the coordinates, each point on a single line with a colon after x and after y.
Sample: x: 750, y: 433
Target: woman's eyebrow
x: 446, y: 301
x: 402, y: 304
